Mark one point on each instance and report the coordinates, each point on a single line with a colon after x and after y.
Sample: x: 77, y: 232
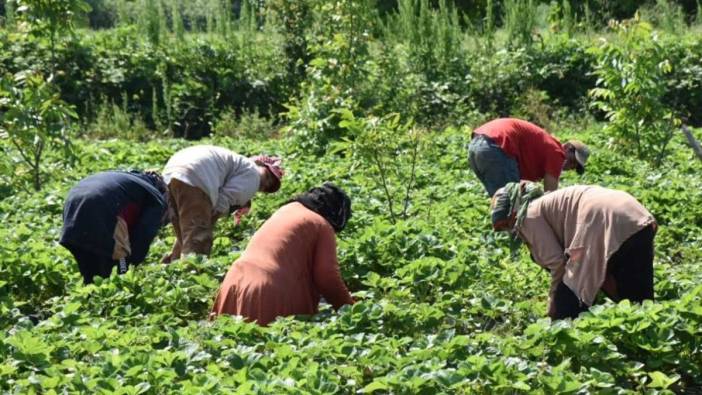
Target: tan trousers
x: 192, y: 219
x: 122, y: 247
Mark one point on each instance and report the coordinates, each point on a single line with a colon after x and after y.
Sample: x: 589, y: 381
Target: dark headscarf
x: 157, y: 181
x: 329, y: 201
x: 154, y: 179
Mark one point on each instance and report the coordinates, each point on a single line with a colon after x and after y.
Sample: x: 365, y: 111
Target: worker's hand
x: 551, y: 308
x: 239, y: 213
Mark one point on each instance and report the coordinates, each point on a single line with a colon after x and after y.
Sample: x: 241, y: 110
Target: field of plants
x: 381, y: 102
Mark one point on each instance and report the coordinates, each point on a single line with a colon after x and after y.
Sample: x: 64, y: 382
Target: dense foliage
x: 444, y: 305
x: 421, y: 58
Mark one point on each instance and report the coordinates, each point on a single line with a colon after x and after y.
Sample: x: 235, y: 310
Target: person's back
x: 112, y: 217
x: 590, y: 224
x: 284, y: 248
x: 535, y: 150
x: 508, y: 150
x: 208, y: 167
x: 207, y: 182
x: 610, y: 210
x: 287, y: 266
x: 95, y: 201
x: 590, y: 239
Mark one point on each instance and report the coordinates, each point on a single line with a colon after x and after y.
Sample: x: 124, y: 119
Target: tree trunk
x: 37, y: 181
x: 694, y: 144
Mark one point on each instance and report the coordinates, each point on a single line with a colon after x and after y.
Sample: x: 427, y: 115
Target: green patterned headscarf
x: 514, y: 198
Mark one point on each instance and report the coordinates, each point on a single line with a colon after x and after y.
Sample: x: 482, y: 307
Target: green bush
x: 34, y: 120
x: 421, y: 59
x: 251, y: 125
x: 631, y: 90
x: 336, y: 76
x: 114, y: 121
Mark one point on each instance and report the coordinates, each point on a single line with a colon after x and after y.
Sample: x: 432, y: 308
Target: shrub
x: 520, y: 20
x: 495, y: 81
x: 252, y: 125
x: 114, y: 121
x: 631, y: 90
x: 337, y: 77
x: 390, y: 150
x: 51, y: 18
x: 34, y: 119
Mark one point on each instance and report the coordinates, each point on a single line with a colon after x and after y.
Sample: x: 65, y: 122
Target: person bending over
x: 590, y: 238
x: 111, y: 218
x: 290, y: 262
x: 206, y: 182
x: 509, y: 149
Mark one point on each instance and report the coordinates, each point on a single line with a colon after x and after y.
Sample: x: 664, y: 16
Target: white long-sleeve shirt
x: 229, y: 179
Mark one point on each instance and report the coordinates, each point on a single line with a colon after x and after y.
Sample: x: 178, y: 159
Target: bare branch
x: 694, y: 144
x: 381, y: 170
x: 21, y: 151
x: 415, y: 150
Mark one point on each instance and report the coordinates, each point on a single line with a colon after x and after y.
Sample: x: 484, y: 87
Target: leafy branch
x: 33, y: 116
x: 52, y: 18
x: 631, y: 89
x: 392, y: 148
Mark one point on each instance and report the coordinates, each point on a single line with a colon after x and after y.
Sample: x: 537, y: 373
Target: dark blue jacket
x: 92, y: 206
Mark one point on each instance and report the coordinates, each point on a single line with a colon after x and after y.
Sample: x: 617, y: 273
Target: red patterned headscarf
x: 273, y: 164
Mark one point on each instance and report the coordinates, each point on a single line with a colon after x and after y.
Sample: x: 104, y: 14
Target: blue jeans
x: 489, y: 162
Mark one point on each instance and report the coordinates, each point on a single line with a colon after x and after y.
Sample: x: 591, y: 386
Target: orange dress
x: 288, y: 265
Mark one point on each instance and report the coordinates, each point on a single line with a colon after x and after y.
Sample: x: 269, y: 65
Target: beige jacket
x: 574, y: 231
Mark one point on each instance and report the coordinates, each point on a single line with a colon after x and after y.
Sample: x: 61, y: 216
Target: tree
x: 631, y: 88
x: 389, y: 150
x: 34, y: 118
x: 51, y: 17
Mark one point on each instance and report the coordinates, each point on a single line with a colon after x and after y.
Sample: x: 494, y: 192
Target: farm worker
x: 290, y: 261
x: 509, y: 149
x: 206, y: 182
x: 111, y: 218
x: 590, y: 238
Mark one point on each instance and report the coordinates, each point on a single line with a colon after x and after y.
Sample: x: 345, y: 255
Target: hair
x: 157, y: 180
x: 329, y: 201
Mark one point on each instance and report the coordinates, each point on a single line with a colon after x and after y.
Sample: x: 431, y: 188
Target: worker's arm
x: 326, y: 273
x: 550, y: 183
x: 546, y: 250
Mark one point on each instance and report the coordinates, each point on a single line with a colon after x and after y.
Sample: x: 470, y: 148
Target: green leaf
x: 375, y: 386
x: 661, y: 380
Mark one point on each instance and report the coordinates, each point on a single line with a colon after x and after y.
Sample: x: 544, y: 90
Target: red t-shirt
x: 534, y: 149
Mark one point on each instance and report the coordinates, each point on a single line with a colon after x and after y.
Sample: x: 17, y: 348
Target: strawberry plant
x: 443, y: 304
